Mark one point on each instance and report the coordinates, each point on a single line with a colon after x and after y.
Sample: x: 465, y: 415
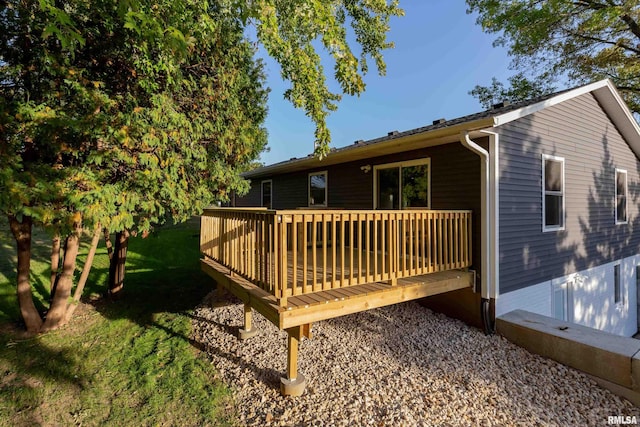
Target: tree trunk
x: 107, y: 243
x: 22, y: 233
x: 117, y: 264
x: 55, y: 262
x: 56, y: 315
x: 83, y: 277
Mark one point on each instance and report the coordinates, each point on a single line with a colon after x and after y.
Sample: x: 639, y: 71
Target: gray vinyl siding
x: 579, y: 131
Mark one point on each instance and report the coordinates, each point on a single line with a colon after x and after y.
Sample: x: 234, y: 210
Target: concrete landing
x: 612, y: 358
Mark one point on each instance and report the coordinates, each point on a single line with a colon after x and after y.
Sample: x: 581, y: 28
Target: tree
x: 122, y: 125
x: 122, y: 115
x: 520, y: 88
x: 580, y: 40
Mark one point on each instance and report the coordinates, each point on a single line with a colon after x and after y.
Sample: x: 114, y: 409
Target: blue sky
x: 440, y: 54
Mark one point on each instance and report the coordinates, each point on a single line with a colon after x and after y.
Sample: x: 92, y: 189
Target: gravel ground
x: 398, y: 365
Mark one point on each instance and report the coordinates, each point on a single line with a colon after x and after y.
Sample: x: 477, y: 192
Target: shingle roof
x: 486, y: 114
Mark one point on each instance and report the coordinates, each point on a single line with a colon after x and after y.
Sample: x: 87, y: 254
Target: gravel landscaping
x: 398, y: 365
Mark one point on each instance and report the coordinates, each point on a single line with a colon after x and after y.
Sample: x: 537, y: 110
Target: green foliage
x: 131, y: 112
x: 125, y: 363
x: 520, y: 88
x: 290, y: 32
x: 125, y: 113
x: 583, y: 40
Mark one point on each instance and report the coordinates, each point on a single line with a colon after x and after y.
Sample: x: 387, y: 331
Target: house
x: 527, y: 206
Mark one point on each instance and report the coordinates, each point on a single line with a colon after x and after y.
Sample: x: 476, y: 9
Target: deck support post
x: 249, y: 330
x: 219, y: 299
x: 294, y: 383
x: 219, y: 291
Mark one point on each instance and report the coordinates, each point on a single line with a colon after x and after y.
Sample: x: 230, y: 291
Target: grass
x: 126, y: 362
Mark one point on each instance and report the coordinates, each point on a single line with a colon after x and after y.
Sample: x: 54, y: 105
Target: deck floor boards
x: 325, y: 304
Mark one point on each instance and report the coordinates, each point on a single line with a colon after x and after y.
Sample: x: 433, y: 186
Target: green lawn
x: 128, y: 362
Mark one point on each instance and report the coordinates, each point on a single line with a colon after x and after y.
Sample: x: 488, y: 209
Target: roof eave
x: 403, y: 141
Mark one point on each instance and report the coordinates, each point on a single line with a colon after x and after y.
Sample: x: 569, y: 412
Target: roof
x: 449, y: 130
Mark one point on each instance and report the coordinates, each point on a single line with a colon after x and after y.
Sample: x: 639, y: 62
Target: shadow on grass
x: 120, y: 360
x: 26, y: 365
x: 163, y: 276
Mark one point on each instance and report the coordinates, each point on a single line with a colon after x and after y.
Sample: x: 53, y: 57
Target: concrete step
x: 612, y: 358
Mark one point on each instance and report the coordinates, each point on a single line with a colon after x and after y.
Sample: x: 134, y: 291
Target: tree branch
x: 632, y: 24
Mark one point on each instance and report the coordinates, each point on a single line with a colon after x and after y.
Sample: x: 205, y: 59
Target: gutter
x: 403, y: 141
x: 487, y: 229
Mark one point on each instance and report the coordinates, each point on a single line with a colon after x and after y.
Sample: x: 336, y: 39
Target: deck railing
x: 297, y: 252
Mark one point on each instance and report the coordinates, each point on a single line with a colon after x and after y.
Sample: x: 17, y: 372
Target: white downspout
x: 485, y: 227
x: 484, y: 211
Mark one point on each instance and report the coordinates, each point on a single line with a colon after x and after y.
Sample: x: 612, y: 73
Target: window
x: 318, y: 189
x: 621, y: 196
x: 559, y: 301
x: 402, y: 185
x: 617, y: 289
x: 266, y: 194
x: 553, y: 193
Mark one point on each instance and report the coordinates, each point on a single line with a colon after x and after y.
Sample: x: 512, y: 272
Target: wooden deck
x: 330, y: 303
x: 297, y: 267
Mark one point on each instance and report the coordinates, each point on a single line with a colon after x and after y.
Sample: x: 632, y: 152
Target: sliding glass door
x: 402, y: 185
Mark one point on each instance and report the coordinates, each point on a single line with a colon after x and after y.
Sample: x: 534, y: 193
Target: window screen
x: 318, y: 189
x: 621, y: 196
x: 266, y: 194
x: 553, y: 193
x: 617, y: 289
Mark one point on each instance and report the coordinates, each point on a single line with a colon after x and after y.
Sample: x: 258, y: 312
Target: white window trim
x: 270, y: 192
x: 621, y: 287
x: 615, y: 203
x: 564, y: 287
x: 416, y: 162
x: 326, y: 189
x: 546, y: 228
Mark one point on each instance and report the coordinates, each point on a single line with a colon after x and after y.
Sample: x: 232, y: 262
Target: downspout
x: 485, y: 227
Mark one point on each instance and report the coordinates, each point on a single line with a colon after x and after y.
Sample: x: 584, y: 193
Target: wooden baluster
x: 277, y: 286
x: 294, y: 253
x: 416, y: 243
x: 390, y: 246
x: 314, y: 252
x: 305, y: 261
x: 367, y: 245
x: 283, y: 258
x: 375, y: 248
x: 342, y: 239
x: 324, y: 252
x: 334, y: 243
x: 351, y: 224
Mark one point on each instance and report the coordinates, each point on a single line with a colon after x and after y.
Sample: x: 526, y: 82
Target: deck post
x: 220, y: 299
x: 249, y: 330
x: 294, y: 383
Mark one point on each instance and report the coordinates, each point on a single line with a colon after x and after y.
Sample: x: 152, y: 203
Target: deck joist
x: 327, y: 304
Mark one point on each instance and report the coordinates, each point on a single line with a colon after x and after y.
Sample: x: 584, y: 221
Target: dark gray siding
x: 252, y: 198
x: 455, y: 184
x: 290, y: 190
x: 579, y: 131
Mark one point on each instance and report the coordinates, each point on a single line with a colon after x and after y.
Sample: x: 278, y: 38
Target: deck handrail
x: 302, y: 251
